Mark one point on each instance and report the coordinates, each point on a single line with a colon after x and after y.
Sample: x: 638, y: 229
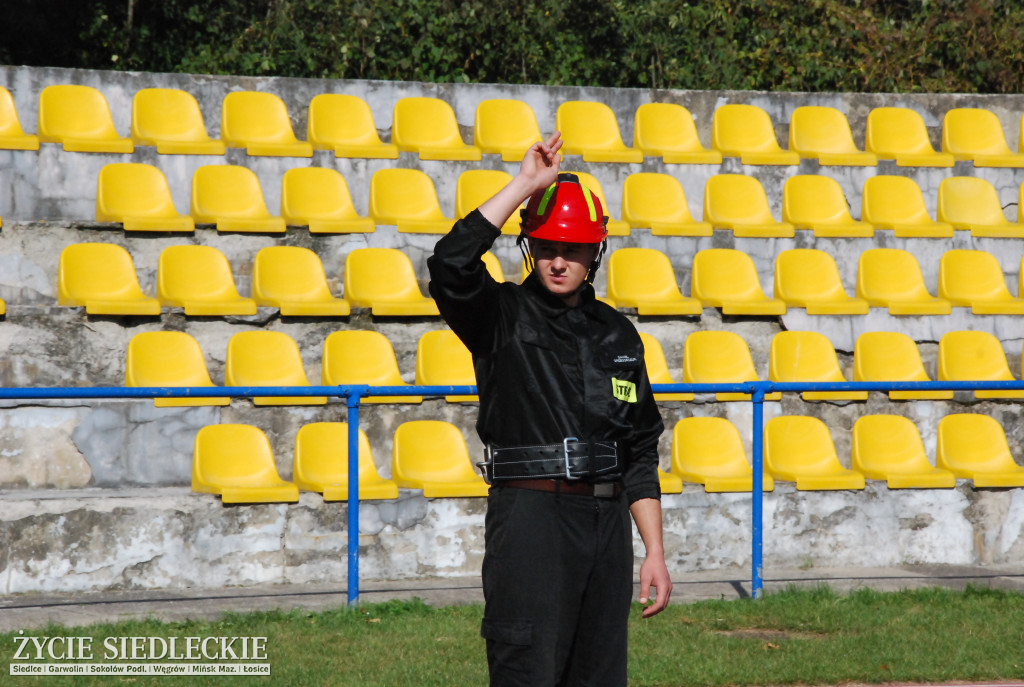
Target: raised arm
x: 538, y: 170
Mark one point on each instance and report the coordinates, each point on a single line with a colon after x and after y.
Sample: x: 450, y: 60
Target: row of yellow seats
x: 236, y: 461
x: 726, y: 278
x: 79, y: 117
x: 230, y: 197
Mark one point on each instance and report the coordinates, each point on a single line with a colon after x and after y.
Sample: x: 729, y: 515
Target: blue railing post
x: 757, y: 492
x: 352, y: 399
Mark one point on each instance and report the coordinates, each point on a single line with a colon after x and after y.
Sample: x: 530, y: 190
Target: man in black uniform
x: 571, y: 431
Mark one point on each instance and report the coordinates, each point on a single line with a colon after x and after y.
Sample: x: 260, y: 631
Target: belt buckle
x: 604, y: 490
x: 488, y: 464
x: 565, y: 452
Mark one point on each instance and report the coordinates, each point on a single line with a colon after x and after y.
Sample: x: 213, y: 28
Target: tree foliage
x: 814, y: 45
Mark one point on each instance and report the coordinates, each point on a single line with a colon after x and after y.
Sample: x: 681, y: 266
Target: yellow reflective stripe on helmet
x: 590, y: 202
x: 546, y: 197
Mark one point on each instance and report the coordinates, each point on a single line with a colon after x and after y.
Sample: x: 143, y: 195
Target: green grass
x: 809, y: 637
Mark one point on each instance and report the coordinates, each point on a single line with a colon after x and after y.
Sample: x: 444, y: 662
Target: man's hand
x: 654, y: 573
x: 541, y: 162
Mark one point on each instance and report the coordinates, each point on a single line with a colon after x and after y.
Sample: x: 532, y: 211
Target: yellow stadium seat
x: 658, y: 201
x: 230, y: 197
x: 899, y: 133
x: 657, y: 368
x: 799, y: 449
x: 79, y: 118
x: 822, y: 133
x: 236, y: 461
x: 720, y: 357
x: 12, y: 136
x: 101, y: 277
x: 892, y: 357
x: 344, y: 124
x: 974, y: 446
x: 709, y: 451
x: 973, y: 356
x: 431, y: 455
x: 974, y: 279
x: 321, y: 463
x: 259, y: 123
x: 976, y: 134
x: 891, y: 278
x: 292, y: 279
x: 738, y: 202
x: 746, y: 132
x: 199, y: 279
x: 170, y: 119
x: 505, y: 127
x: 643, y: 278
x: 666, y: 130
x: 616, y: 227
x: 167, y: 358
x: 137, y: 196
x: 726, y: 278
x: 808, y: 357
x: 362, y: 357
x: 267, y: 358
x: 427, y: 126
x: 811, y: 201
x: 443, y: 360
x: 3, y: 307
x: 808, y: 278
x: 590, y: 129
x: 318, y: 198
x: 670, y: 484
x: 407, y: 199
x: 972, y: 203
x: 889, y: 447
x: 383, y: 280
x: 493, y: 266
x: 896, y: 203
x: 475, y: 186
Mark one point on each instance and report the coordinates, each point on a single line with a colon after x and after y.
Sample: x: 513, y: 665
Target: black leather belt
x: 606, y: 490
x: 570, y: 460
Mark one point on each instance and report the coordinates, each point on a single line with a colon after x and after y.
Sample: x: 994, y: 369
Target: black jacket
x: 546, y: 371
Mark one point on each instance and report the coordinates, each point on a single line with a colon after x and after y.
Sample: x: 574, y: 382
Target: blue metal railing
x: 353, y: 395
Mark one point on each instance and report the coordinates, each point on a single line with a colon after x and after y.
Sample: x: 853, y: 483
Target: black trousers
x: 558, y: 579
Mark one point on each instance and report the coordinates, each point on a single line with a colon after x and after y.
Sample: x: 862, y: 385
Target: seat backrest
x: 502, y: 124
x: 74, y: 111
x: 809, y: 199
x: 736, y: 198
x: 192, y: 272
x: 724, y: 274
x: 321, y: 454
x: 289, y: 273
x: 969, y: 200
x: 587, y: 126
x: 653, y: 197
x: 10, y: 125
x: 709, y: 446
x: 664, y: 126
x: 800, y: 444
x: 717, y: 356
x: 972, y: 356
x: 475, y: 186
x: 887, y: 356
x: 973, y: 131
x: 380, y: 274
x: 430, y: 451
x: 359, y: 357
x: 892, y: 199
x: 737, y: 129
x: 263, y: 358
x: 233, y: 455
x: 966, y: 276
x: 892, y: 131
x: 641, y: 274
x: 315, y: 193
x: 166, y: 114
x: 403, y: 194
x: 226, y: 191
x: 807, y: 274
x: 889, y: 274
x: 96, y: 271
x: 803, y: 356
x: 335, y: 118
x: 165, y: 358
x: 887, y: 444
x: 419, y: 122
x: 817, y: 129
x: 443, y: 360
x: 655, y: 361
x: 974, y: 442
x: 132, y: 189
x: 248, y: 117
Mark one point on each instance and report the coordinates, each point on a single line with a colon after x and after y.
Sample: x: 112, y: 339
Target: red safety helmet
x: 566, y: 211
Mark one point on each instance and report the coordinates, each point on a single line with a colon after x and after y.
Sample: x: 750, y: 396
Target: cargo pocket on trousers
x: 508, y: 644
